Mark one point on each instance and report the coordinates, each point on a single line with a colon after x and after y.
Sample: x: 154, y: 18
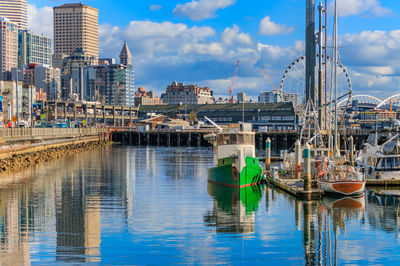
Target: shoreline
x: 31, y: 156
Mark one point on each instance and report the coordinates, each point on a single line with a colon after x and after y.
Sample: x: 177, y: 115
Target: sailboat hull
x: 343, y: 188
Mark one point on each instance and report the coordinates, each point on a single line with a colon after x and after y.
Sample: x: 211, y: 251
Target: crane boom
x: 233, y: 83
x: 270, y: 81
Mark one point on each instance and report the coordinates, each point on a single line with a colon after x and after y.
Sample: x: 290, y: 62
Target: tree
x: 193, y: 116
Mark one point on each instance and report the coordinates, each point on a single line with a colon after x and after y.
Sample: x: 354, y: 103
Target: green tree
x: 193, y: 116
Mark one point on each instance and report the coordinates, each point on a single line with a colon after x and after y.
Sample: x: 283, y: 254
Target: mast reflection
x: 234, y: 208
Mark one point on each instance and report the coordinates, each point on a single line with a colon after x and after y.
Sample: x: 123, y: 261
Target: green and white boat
x: 235, y: 164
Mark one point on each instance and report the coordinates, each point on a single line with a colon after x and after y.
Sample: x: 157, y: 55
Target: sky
x: 200, y: 41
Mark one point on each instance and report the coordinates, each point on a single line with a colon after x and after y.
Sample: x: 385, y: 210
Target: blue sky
x: 199, y: 41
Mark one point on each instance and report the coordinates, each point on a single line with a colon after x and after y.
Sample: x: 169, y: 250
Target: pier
x: 295, y: 187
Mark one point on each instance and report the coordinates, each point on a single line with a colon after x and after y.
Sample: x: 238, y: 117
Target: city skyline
x: 214, y: 34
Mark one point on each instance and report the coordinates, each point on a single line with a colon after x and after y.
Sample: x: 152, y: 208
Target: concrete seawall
x: 24, y: 147
x: 29, y: 156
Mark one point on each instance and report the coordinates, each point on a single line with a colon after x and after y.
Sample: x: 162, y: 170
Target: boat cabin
x: 234, y: 145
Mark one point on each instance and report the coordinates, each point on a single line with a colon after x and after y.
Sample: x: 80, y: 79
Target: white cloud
x: 233, y: 36
x: 40, y: 20
x: 201, y: 9
x: 155, y: 7
x: 168, y: 51
x: 360, y: 7
x: 268, y: 27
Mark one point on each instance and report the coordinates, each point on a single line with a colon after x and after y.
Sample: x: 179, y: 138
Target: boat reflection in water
x: 323, y: 224
x: 384, y: 211
x: 234, y: 208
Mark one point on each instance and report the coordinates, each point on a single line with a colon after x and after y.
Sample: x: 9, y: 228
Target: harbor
x: 200, y: 132
x: 155, y: 199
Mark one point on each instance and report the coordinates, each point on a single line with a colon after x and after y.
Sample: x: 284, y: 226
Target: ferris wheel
x: 293, y: 82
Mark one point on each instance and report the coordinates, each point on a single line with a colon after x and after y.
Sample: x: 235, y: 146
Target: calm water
x: 127, y: 205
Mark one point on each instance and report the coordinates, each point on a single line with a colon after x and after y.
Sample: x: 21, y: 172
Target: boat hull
x: 228, y: 175
x: 343, y: 188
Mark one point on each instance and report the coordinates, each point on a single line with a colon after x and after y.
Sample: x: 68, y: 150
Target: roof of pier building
x: 278, y: 108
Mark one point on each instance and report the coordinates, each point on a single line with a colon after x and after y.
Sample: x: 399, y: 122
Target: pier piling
x: 307, y: 170
x: 298, y: 159
x: 268, y: 155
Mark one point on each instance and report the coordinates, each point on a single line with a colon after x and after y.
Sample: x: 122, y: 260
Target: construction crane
x: 270, y: 81
x: 233, y: 83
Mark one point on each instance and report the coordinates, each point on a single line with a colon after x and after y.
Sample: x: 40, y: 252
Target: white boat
x: 342, y: 179
x: 381, y: 161
x: 337, y: 175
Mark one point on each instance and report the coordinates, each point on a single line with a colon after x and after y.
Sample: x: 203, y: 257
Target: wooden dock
x: 383, y: 183
x: 295, y: 188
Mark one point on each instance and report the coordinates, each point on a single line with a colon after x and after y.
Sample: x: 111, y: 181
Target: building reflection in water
x: 78, y: 215
x: 234, y: 208
x: 66, y: 204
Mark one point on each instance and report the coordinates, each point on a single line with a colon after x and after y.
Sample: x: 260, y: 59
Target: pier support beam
x: 307, y: 170
x: 168, y: 139
x: 113, y: 113
x: 268, y: 155
x: 298, y: 160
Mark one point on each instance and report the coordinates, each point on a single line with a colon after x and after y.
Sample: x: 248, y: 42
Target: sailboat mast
x: 335, y: 78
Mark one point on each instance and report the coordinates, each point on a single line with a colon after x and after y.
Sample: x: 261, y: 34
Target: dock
x: 295, y: 188
x: 383, y: 183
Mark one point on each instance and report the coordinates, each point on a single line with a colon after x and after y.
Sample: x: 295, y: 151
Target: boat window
x: 220, y: 139
x: 223, y: 139
x: 233, y: 139
x: 396, y: 163
x: 240, y: 139
x: 389, y: 163
x: 253, y: 139
x: 383, y: 163
x: 226, y: 140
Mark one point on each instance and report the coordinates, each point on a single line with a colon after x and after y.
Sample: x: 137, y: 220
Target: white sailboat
x: 339, y: 176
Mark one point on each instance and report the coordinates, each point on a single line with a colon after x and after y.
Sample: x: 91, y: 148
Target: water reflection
x: 65, y: 202
x: 384, y: 211
x: 126, y: 205
x: 234, y: 208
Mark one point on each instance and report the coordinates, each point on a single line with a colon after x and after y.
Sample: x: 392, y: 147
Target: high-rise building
x: 110, y: 83
x: 72, y: 71
x: 125, y: 56
x: 16, y: 11
x: 8, y: 47
x: 33, y: 49
x: 75, y: 27
x: 44, y: 77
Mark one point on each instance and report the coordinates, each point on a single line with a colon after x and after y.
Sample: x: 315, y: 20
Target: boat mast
x: 337, y: 152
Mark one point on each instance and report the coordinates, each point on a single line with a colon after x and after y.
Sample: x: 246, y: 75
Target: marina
x: 116, y: 204
x: 97, y: 169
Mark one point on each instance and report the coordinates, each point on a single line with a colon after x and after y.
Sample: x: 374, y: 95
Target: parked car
x: 61, y: 125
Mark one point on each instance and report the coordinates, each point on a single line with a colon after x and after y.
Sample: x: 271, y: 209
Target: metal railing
x: 49, y: 132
